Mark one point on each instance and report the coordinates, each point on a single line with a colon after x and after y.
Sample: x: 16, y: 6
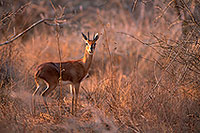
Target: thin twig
x: 52, y: 6
x: 134, y: 6
x: 147, y: 44
x: 164, y: 10
x: 158, y: 82
x: 15, y: 12
x: 155, y: 72
x: 107, y: 47
x: 60, y: 58
x: 59, y: 53
x: 133, y: 37
x: 190, y: 13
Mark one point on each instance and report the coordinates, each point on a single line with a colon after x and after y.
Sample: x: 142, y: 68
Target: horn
x: 88, y: 36
x: 84, y: 36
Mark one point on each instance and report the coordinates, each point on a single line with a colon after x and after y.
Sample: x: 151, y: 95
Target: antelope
x: 72, y: 72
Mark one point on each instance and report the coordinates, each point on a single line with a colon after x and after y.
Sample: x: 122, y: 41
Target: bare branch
x: 133, y: 37
x: 147, y: 44
x: 28, y: 29
x: 22, y: 33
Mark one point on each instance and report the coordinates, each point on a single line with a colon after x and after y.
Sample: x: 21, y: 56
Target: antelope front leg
x: 76, y: 96
x: 72, y: 91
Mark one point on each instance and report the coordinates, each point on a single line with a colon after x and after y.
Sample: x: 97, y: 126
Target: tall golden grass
x: 144, y: 76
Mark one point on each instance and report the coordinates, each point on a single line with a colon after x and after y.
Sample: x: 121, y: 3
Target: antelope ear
x: 84, y: 37
x: 96, y: 37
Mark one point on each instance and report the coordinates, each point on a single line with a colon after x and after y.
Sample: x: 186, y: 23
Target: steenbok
x: 72, y: 72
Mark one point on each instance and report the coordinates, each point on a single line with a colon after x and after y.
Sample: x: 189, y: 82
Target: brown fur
x: 73, y: 71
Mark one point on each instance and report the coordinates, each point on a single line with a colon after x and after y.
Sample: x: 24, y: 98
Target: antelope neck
x: 87, y: 60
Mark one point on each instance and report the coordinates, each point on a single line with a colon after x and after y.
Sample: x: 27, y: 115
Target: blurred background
x: 145, y: 74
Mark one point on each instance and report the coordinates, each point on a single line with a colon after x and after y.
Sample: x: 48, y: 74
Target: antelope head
x: 90, y: 44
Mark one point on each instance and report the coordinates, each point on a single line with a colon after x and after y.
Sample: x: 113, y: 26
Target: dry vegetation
x: 145, y: 75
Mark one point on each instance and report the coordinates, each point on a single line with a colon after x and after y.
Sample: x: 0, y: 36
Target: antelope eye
x: 87, y: 43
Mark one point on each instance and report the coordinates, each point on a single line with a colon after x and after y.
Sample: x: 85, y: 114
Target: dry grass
x: 150, y: 85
